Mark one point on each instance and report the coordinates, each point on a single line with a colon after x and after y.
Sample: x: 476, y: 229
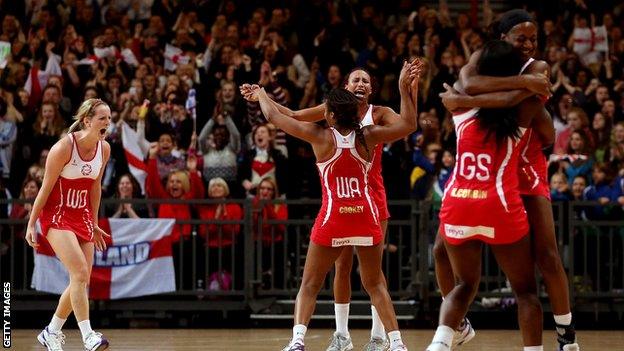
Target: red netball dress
x: 69, y: 204
x: 481, y: 200
x: 533, y: 167
x: 375, y: 180
x: 348, y: 214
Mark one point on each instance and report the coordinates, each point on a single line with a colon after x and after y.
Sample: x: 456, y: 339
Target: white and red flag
x: 134, y: 154
x: 137, y: 261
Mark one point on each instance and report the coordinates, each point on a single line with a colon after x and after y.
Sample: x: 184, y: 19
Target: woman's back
x: 348, y: 215
x: 482, y: 194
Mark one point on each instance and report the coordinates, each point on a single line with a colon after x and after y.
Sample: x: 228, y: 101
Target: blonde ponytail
x: 87, y: 109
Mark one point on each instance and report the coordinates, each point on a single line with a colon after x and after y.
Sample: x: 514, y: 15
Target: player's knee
x: 528, y: 300
x: 80, y: 276
x: 468, y: 285
x: 525, y: 288
x: 311, y: 286
x: 373, y: 283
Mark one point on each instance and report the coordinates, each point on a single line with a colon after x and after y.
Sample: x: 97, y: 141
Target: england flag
x: 137, y: 261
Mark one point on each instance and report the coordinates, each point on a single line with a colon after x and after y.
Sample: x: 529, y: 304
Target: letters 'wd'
x: 76, y: 199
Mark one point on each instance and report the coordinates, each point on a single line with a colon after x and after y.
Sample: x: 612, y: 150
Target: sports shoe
x: 400, y: 348
x: 95, y: 342
x: 340, y: 342
x: 377, y: 344
x: 571, y: 347
x: 464, y: 334
x: 53, y: 341
x: 438, y: 346
x: 566, y: 336
x: 297, y: 346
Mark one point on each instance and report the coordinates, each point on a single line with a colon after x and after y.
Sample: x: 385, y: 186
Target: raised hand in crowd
x: 265, y: 74
x: 191, y: 163
x: 153, y: 150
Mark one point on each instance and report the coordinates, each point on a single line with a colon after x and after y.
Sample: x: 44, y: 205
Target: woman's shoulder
x: 62, y: 147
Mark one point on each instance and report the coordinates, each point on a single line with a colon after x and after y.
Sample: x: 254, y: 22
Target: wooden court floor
x: 316, y: 339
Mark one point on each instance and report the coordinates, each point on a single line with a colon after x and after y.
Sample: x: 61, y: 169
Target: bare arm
x: 235, y: 138
x: 543, y: 125
x: 474, y: 84
x: 408, y: 121
x: 312, y: 114
x: 542, y: 122
x: 203, y: 135
x: 57, y: 158
x: 307, y: 131
x: 452, y: 100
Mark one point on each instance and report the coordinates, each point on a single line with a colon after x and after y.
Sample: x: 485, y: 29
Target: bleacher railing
x: 236, y: 276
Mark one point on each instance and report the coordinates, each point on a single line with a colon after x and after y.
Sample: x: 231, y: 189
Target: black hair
x: 507, y: 21
x: 3, y: 107
x: 500, y: 59
x: 345, y: 106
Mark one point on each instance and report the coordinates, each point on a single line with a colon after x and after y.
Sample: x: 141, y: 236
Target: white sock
x: 299, y: 331
x: 377, y: 330
x: 342, y: 318
x: 534, y: 348
x: 563, y: 319
x: 395, y: 339
x: 443, y: 336
x: 56, y: 324
x: 85, y: 328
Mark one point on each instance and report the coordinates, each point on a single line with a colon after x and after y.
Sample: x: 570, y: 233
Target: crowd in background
x: 127, y: 51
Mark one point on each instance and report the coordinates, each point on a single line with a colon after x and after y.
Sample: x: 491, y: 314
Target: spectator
x: 576, y: 120
x: 219, y: 142
x: 560, y: 113
x: 262, y: 161
x: 579, y: 184
x: 127, y: 188
x: 30, y: 188
x: 559, y: 188
x: 47, y: 128
x: 444, y: 166
x: 601, y: 131
x: 602, y: 190
x: 229, y: 103
x: 8, y: 135
x: 578, y: 160
x: 180, y: 185
x: 271, y: 235
x: 167, y: 159
x: 221, y: 238
x: 617, y: 147
x: 220, y: 235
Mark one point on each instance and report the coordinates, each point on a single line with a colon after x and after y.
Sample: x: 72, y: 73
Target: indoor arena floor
x: 316, y: 339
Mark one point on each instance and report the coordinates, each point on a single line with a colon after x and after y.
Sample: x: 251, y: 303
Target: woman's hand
x: 98, y: 238
x: 31, y: 236
x: 153, y: 150
x: 247, y: 185
x: 248, y: 91
x: 450, y: 98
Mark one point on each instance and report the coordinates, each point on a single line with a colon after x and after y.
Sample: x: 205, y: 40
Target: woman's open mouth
x: 103, y: 131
